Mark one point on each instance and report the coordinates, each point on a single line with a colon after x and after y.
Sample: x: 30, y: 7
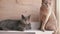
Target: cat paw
x: 54, y: 33
x: 42, y: 29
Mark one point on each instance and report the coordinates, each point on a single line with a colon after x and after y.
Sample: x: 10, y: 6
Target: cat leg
x: 57, y: 25
x: 45, y: 22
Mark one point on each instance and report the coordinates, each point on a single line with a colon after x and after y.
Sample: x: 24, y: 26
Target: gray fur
x: 19, y: 25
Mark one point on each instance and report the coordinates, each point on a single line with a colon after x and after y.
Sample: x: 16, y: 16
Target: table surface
x: 16, y: 32
x: 26, y: 32
x: 40, y: 32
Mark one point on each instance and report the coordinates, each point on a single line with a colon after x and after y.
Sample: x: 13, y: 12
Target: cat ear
x: 22, y: 16
x: 29, y: 16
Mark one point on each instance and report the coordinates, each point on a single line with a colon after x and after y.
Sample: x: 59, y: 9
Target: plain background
x: 58, y: 13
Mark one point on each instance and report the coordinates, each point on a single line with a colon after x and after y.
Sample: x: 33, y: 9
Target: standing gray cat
x: 18, y: 25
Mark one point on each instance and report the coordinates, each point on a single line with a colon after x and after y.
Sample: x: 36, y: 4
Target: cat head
x: 26, y: 19
x: 47, y: 2
x: 25, y: 24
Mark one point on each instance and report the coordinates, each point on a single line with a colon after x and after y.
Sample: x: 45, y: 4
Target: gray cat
x: 18, y: 25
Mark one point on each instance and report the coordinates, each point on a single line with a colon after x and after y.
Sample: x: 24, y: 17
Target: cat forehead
x: 26, y: 16
x: 46, y: 0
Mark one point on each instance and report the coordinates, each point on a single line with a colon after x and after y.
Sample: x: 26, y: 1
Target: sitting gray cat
x: 18, y: 25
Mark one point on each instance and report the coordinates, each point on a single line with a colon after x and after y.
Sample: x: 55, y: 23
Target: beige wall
x: 14, y: 9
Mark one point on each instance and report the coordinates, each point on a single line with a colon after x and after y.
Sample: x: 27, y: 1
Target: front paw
x: 42, y: 29
x: 54, y: 33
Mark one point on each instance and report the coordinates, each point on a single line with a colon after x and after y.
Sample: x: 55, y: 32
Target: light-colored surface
x: 40, y: 32
x: 58, y: 14
x: 26, y: 32
x: 15, y: 32
x: 35, y: 25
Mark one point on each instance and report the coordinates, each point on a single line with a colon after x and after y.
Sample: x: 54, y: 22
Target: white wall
x: 58, y: 13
